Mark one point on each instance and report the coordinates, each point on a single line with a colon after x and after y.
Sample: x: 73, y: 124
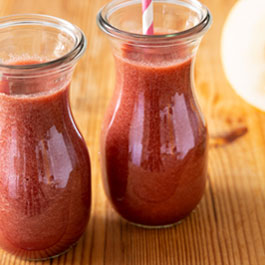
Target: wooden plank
x: 227, y: 226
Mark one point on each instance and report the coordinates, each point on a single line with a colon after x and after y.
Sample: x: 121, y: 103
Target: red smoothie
x: 45, y: 192
x: 154, y: 140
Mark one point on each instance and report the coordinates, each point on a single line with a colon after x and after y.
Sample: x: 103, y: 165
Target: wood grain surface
x: 228, y: 226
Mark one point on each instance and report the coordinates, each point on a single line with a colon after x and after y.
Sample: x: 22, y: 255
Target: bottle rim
x: 69, y: 57
x: 191, y: 33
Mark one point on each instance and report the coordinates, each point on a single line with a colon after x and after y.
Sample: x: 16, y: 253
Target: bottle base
x: 46, y: 258
x: 161, y: 226
x: 52, y: 257
x: 155, y: 226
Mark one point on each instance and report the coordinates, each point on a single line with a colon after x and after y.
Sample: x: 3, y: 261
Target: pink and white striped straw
x: 147, y: 18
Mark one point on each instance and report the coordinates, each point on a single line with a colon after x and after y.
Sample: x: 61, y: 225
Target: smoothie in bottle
x: 154, y: 138
x: 45, y: 191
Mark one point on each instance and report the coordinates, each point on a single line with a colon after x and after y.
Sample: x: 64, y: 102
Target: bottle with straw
x: 154, y: 139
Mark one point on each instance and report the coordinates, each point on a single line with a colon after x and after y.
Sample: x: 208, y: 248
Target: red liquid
x: 154, y: 141
x: 45, y: 191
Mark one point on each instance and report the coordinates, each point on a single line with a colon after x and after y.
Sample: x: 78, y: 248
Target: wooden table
x: 228, y: 226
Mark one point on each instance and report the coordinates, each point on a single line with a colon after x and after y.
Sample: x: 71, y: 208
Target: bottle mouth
x: 197, y: 16
x: 55, y: 42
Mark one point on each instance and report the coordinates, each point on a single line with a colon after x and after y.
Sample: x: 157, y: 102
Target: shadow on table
x: 215, y: 233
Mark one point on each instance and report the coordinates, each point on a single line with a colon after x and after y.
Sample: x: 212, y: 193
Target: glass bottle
x: 45, y: 191
x: 154, y: 138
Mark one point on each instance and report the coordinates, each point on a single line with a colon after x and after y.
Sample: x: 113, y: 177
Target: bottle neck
x: 153, y: 54
x: 157, y: 70
x: 27, y: 98
x: 27, y: 84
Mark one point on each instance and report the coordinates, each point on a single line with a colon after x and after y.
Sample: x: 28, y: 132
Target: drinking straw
x: 147, y: 17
